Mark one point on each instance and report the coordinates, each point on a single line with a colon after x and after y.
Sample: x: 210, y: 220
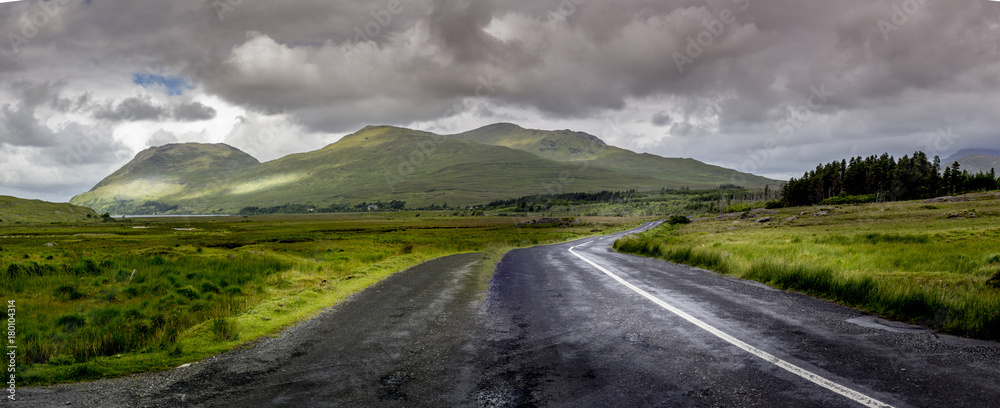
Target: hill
x: 13, y: 210
x: 966, y: 152
x: 977, y: 163
x: 159, y: 175
x: 578, y: 147
x: 377, y: 163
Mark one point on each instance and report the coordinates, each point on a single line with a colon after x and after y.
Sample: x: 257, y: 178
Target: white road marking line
x: 792, y: 368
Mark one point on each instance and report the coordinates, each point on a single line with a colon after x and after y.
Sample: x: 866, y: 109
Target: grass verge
x: 926, y: 264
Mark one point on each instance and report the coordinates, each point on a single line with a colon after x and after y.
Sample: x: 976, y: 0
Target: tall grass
x: 109, y: 300
x: 898, y: 260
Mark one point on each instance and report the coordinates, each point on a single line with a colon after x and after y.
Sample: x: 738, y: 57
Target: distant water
x: 172, y: 216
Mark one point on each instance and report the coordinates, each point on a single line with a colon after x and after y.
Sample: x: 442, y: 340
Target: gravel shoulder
x: 404, y: 338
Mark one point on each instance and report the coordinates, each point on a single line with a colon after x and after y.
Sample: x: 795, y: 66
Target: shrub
x: 198, y: 306
x: 188, y: 292
x: 774, y: 204
x: 71, y: 322
x: 994, y: 282
x: 16, y: 270
x: 86, y: 267
x: 678, y: 219
x: 223, y: 329
x: 207, y: 287
x: 408, y: 248
x: 68, y: 292
x: 61, y: 360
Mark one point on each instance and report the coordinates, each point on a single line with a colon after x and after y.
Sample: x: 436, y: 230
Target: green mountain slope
x: 13, y: 209
x: 579, y: 147
x: 378, y: 163
x: 148, y: 183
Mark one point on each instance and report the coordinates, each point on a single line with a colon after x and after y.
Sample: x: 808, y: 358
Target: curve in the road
x: 792, y: 368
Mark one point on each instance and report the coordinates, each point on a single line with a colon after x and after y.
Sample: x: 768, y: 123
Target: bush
x: 62, y: 359
x: 15, y: 270
x: 774, y: 204
x: 994, y: 282
x: 71, y: 322
x: 86, y: 267
x: 678, y: 219
x: 850, y: 199
x: 207, y: 287
x: 223, y: 329
x: 68, y: 292
x: 188, y: 292
x: 408, y: 248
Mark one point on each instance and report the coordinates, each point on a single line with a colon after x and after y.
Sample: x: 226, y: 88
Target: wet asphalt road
x: 555, y: 330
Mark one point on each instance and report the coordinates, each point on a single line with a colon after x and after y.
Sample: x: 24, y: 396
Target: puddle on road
x: 881, y: 324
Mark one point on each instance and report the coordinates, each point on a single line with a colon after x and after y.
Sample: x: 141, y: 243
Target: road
x: 574, y: 324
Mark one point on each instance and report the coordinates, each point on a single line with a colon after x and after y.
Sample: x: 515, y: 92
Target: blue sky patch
x: 172, y: 85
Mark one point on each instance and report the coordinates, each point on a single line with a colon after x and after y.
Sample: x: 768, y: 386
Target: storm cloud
x: 767, y: 86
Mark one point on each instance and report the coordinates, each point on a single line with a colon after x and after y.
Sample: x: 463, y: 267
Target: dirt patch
x: 947, y: 199
x: 549, y: 221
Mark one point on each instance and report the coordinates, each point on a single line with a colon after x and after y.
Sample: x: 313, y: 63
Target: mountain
x: 582, y: 148
x: 977, y: 163
x: 13, y: 210
x: 159, y: 177
x: 377, y: 163
x: 966, y: 152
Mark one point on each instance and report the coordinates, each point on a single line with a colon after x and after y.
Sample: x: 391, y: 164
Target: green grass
x: 906, y: 261
x: 110, y: 299
x: 17, y: 211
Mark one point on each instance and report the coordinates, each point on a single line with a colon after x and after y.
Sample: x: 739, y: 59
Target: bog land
x: 104, y: 299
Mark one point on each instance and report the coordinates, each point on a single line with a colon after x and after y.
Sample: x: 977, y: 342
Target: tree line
x: 883, y: 178
x: 541, y: 202
x: 394, y: 205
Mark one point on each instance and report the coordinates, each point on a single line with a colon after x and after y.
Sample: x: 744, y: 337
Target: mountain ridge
x: 384, y: 163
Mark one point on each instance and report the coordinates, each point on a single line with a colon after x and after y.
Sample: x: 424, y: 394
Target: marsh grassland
x: 108, y: 299
x: 932, y: 263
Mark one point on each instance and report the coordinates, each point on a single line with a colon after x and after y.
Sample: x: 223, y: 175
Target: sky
x: 771, y: 87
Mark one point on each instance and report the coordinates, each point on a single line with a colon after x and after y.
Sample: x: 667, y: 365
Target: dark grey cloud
x: 134, y: 109
x: 662, y: 118
x: 19, y: 124
x: 131, y: 109
x: 718, y: 77
x: 194, y: 111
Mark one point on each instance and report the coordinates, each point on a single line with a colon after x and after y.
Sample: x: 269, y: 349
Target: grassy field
x: 108, y: 299
x: 932, y: 263
x: 18, y: 211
